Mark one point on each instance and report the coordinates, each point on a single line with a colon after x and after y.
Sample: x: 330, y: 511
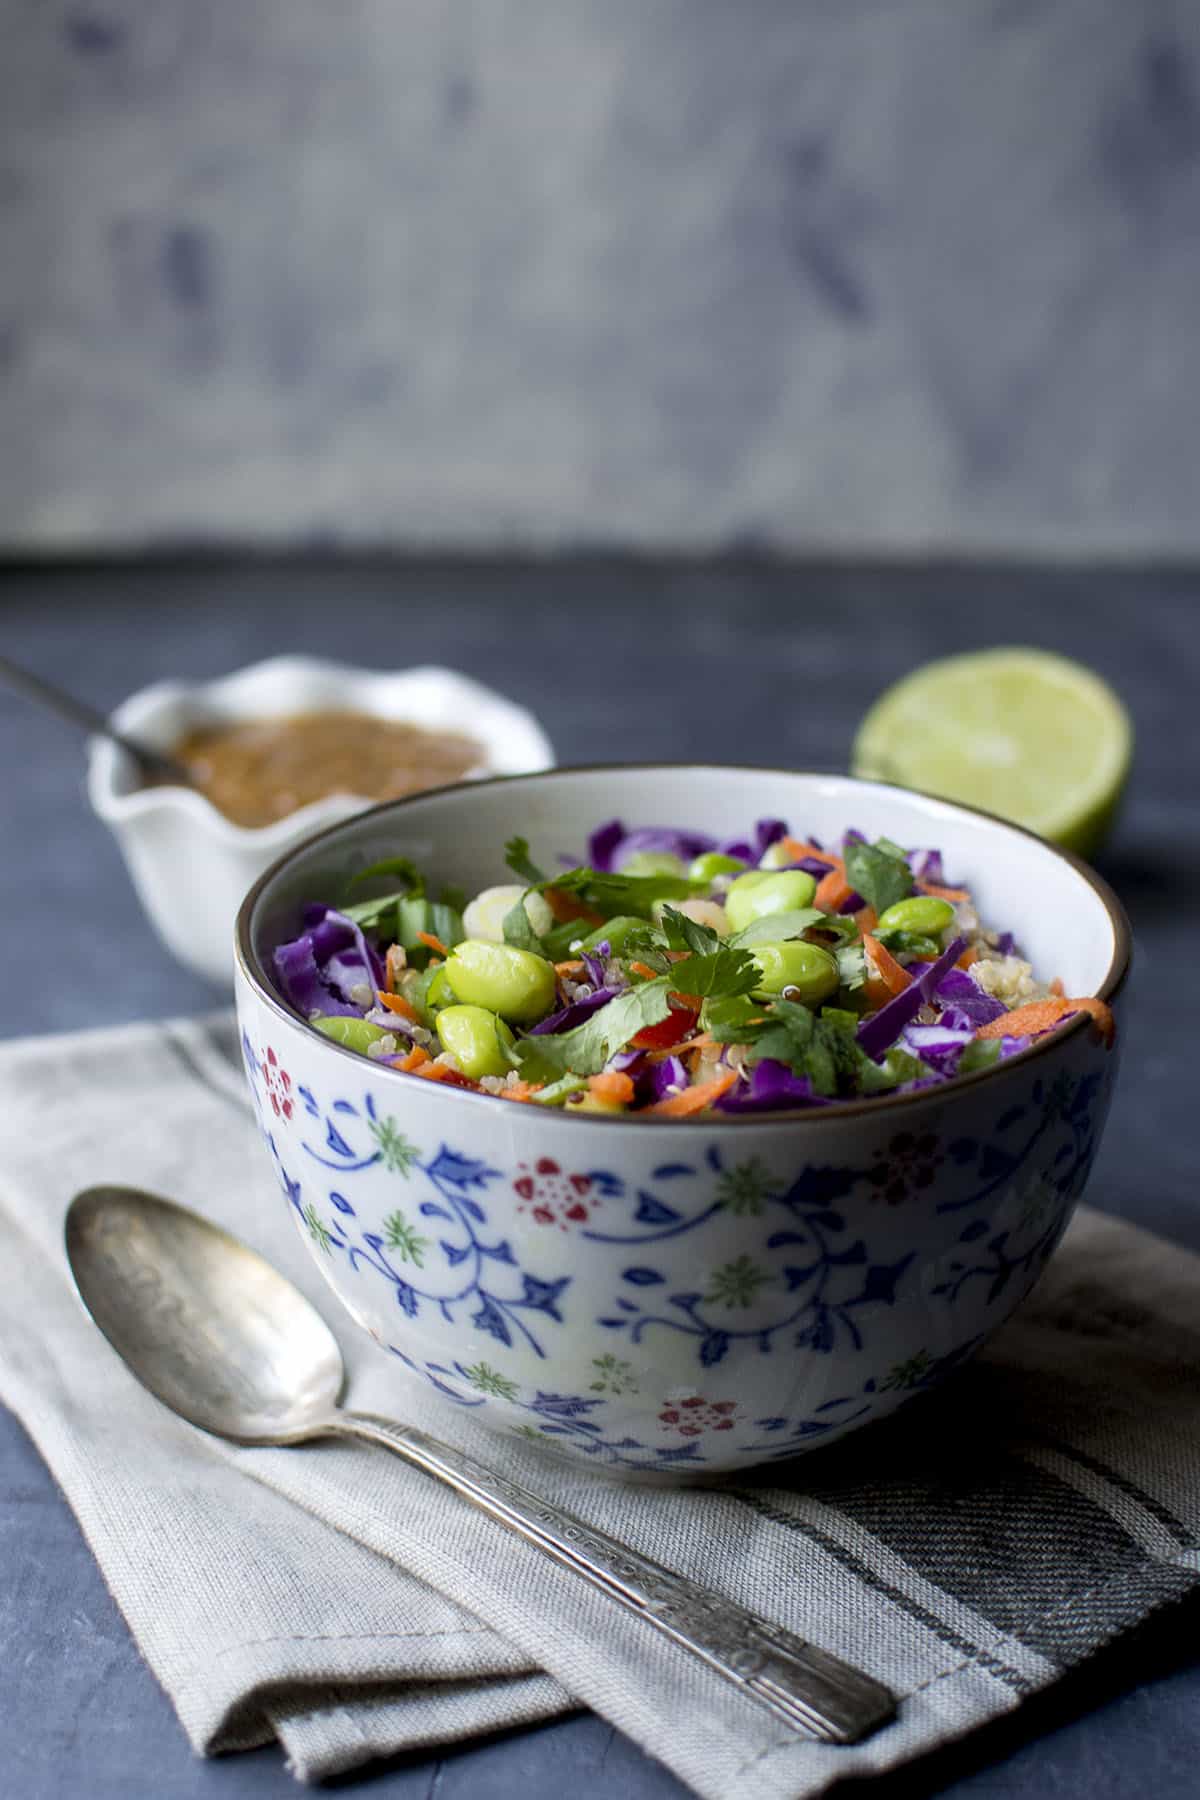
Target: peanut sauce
x: 256, y: 771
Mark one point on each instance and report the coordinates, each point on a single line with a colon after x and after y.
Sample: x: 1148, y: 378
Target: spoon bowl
x: 208, y: 1326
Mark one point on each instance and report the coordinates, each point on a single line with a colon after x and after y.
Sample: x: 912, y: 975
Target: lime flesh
x: 1023, y: 733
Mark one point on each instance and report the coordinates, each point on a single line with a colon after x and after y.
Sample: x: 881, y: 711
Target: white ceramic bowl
x: 191, y: 865
x: 678, y: 1297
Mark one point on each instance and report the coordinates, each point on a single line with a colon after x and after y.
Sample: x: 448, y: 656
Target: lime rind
x: 1021, y: 732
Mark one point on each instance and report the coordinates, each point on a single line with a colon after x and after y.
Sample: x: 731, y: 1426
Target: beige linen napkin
x: 966, y: 1553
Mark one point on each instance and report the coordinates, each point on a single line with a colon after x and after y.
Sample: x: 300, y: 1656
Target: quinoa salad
x: 673, y: 975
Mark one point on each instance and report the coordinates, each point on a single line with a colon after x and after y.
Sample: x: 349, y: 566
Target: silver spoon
x: 153, y: 763
x: 224, y: 1340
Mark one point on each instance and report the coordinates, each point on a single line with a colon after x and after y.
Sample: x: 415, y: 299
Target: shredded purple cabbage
x: 937, y: 1045
x: 319, y: 970
x: 593, y: 963
x: 664, y: 1078
x: 602, y: 844
x: 684, y: 844
x: 964, y: 1004
x: 300, y: 981
x: 575, y: 1013
x: 771, y: 1088
x: 766, y: 833
x: 611, y: 846
x: 877, y: 1034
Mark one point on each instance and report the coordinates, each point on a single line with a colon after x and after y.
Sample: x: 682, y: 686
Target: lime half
x: 1024, y: 733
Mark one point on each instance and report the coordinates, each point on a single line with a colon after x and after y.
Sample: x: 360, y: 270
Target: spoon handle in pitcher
x: 817, y: 1693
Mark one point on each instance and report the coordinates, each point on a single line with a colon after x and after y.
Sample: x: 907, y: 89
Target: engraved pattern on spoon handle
x: 815, y: 1692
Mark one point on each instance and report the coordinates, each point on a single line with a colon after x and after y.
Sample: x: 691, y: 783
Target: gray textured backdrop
x: 894, y: 274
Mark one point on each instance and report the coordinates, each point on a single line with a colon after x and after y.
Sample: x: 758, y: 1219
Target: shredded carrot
x: 438, y: 1071
x: 612, y: 1086
x: 1043, y: 1015
x: 693, y: 1099
x: 796, y: 849
x: 394, y: 965
x: 521, y: 1090
x: 568, y: 968
x: 412, y: 1062
x: 970, y: 955
x: 894, y: 978
x: 1056, y: 987
x: 696, y: 1043
x: 565, y: 907
x: 943, y: 893
x: 866, y: 918
x: 398, y: 1004
x: 641, y: 968
x: 434, y: 943
x: 833, y: 890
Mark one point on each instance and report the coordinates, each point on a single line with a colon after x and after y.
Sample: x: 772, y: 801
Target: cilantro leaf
x: 879, y: 872
x: 408, y: 872
x: 724, y: 974
x: 851, y: 960
x: 840, y: 925
x: 633, y: 894
x: 681, y: 933
x: 516, y: 855
x: 726, y: 1017
x: 776, y: 928
x: 809, y: 1046
x: 585, y: 1050
x: 824, y: 1048
x: 518, y: 930
x: 375, y: 915
x: 648, y: 947
x: 607, y: 894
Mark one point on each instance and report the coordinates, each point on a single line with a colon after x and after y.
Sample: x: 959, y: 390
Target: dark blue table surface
x: 740, y: 662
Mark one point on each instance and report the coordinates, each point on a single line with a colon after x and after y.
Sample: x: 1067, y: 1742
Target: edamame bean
x: 762, y: 891
x: 485, y: 914
x: 438, y: 991
x: 775, y: 856
x: 923, y: 913
x: 806, y: 968
x: 514, y: 983
x: 355, y: 1034
x: 712, y: 864
x: 702, y: 912
x: 652, y: 862
x: 475, y: 1039
x: 910, y: 943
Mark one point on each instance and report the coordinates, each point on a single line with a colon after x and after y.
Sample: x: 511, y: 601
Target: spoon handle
x: 69, y: 706
x: 815, y: 1692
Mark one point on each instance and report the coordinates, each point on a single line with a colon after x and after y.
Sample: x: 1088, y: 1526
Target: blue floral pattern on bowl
x: 730, y: 1305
